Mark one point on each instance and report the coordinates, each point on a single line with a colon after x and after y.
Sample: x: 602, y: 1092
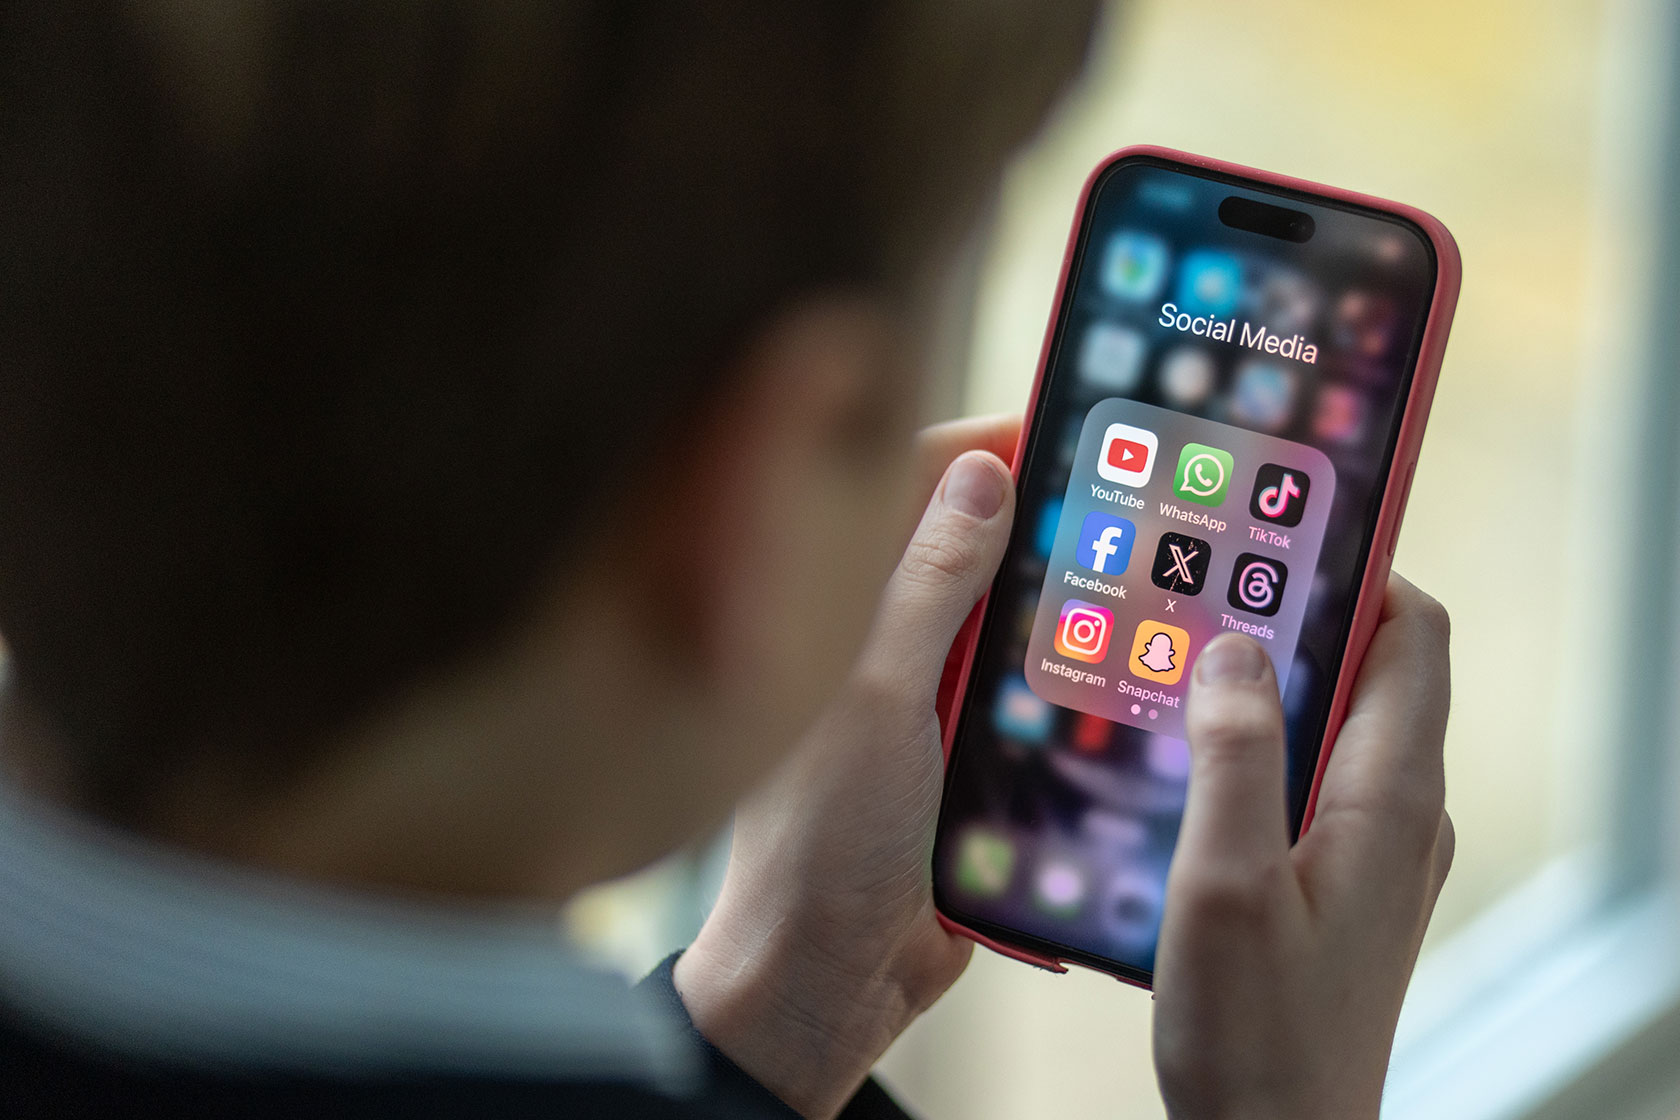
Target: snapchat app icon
x: 1159, y: 651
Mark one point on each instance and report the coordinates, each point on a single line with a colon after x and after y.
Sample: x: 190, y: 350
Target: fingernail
x: 975, y: 486
x: 1230, y: 660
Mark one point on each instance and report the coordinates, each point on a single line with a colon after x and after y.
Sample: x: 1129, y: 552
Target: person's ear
x: 773, y: 518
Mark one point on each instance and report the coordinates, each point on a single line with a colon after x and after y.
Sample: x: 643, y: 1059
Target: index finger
x: 1385, y: 786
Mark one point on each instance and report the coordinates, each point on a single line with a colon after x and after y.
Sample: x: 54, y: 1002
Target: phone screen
x: 1215, y: 428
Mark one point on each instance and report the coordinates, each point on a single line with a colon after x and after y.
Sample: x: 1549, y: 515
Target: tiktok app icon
x: 1280, y: 495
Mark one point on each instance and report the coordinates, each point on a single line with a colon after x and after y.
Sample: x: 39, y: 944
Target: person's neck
x: 32, y: 757
x: 394, y: 815
x: 563, y: 759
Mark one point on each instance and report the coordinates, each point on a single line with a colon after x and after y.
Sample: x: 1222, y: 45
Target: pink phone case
x: 1375, y: 581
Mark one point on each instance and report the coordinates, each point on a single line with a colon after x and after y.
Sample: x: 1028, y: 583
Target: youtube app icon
x: 1128, y: 455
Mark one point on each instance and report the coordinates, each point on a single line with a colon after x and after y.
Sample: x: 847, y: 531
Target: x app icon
x: 1181, y: 564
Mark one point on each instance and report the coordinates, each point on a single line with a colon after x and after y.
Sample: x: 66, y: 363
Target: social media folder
x: 1159, y: 505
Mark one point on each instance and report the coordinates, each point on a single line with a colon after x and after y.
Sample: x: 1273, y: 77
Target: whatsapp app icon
x: 1203, y: 474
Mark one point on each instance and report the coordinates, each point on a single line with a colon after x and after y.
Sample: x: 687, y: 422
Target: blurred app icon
x: 1169, y: 759
x: 985, y: 862
x: 1389, y: 248
x: 1187, y: 377
x: 1134, y: 266
x: 1091, y: 733
x: 1339, y: 416
x: 1129, y: 907
x: 1203, y: 474
x: 1166, y: 194
x: 1257, y: 584
x: 1019, y: 713
x: 1083, y: 630
x: 1059, y: 887
x: 1181, y: 564
x: 1117, y: 833
x: 1264, y: 396
x: 1209, y: 283
x: 1105, y: 543
x: 1280, y: 495
x: 1285, y: 301
x: 1111, y: 357
x: 1159, y: 652
x: 1025, y: 620
x: 1049, y: 517
x: 1068, y: 447
x: 1128, y: 455
x: 1365, y: 324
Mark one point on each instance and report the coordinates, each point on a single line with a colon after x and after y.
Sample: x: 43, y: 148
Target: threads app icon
x: 1257, y: 584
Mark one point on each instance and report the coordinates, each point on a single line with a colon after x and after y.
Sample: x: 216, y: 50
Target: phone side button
x: 1400, y: 510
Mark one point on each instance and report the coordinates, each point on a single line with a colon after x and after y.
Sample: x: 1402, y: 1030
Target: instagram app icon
x: 1083, y: 630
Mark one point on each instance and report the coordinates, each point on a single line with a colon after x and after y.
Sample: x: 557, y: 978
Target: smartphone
x: 1228, y: 409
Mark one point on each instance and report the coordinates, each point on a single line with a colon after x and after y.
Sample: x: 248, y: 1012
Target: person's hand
x: 824, y: 944
x: 1280, y: 971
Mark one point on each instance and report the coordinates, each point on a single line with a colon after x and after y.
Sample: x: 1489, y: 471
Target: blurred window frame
x: 1562, y: 1000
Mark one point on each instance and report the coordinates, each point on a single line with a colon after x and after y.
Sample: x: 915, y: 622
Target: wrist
x: 1209, y: 1096
x: 804, y: 1023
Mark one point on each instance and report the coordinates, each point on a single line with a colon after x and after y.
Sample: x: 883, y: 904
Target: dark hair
x: 317, y: 316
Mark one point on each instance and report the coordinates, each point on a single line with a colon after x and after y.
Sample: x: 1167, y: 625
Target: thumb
x: 947, y: 567
x: 1234, y: 820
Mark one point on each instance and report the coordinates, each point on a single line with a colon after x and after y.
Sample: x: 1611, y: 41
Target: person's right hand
x: 1281, y: 971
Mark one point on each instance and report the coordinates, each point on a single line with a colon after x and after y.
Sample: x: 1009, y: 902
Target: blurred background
x: 1543, y: 514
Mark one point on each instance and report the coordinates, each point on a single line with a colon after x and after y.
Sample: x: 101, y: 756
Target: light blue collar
x: 162, y: 954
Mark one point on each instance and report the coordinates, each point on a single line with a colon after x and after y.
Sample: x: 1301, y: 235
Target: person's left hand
x: 824, y: 944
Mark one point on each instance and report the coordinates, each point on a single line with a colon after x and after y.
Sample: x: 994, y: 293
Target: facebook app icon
x: 1105, y: 543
